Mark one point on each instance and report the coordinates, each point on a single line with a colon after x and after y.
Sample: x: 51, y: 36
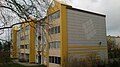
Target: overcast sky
x: 111, y: 8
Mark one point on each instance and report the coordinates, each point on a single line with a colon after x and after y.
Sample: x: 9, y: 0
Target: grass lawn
x: 18, y: 65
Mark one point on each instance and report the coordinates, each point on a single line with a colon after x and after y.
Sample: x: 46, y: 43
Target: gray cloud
x: 111, y: 8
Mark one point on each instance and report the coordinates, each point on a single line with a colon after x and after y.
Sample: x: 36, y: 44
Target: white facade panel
x: 85, y: 29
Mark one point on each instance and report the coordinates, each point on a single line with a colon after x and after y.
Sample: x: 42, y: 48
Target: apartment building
x: 75, y: 34
x: 27, y: 43
x: 70, y: 34
x: 23, y: 43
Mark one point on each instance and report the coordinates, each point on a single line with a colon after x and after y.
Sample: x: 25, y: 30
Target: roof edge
x: 86, y: 11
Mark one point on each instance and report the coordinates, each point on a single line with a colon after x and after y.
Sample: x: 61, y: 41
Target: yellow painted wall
x: 54, y: 8
x: 14, y: 42
x: 63, y: 36
x: 32, y: 43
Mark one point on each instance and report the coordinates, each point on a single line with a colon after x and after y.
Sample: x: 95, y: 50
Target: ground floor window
x: 54, y: 59
x: 27, y: 57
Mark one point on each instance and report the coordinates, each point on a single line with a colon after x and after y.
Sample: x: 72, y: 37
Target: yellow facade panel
x: 32, y: 43
x: 63, y: 36
x: 14, y: 42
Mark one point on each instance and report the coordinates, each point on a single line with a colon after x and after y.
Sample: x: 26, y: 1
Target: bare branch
x: 11, y: 10
x: 35, y: 21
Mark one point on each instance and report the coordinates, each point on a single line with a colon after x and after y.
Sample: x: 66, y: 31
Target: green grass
x: 18, y: 65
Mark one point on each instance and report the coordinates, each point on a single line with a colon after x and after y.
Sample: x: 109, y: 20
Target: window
x: 58, y: 44
x: 49, y: 45
x: 27, y: 28
x: 22, y: 46
x: 54, y: 44
x: 27, y: 37
x: 49, y: 30
x: 22, y: 55
x: 58, y: 28
x: 54, y: 16
x: 58, y: 60
x: 54, y: 30
x: 27, y: 57
x: 39, y: 37
x: 22, y: 38
x: 27, y: 46
x: 54, y: 59
x: 50, y: 59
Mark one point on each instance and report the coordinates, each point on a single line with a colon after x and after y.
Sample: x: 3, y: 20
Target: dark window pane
x: 52, y: 59
x: 49, y: 31
x: 54, y: 44
x: 52, y: 30
x: 58, y: 29
x: 25, y: 46
x: 56, y: 60
x: 54, y: 16
x: 58, y: 44
x: 59, y: 60
x: 22, y: 46
x: 55, y: 29
x: 49, y: 45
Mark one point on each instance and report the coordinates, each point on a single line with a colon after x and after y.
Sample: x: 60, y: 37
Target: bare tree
x: 24, y: 9
x: 13, y: 11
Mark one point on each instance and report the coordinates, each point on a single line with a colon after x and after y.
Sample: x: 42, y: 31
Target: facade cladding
x: 72, y: 35
x: 86, y: 35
